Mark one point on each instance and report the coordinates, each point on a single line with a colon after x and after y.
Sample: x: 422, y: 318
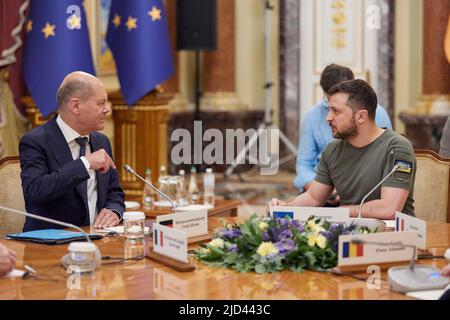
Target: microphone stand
x: 412, y: 262
x: 130, y: 170
x: 374, y: 188
x: 411, y: 278
x: 65, y: 260
x: 64, y: 224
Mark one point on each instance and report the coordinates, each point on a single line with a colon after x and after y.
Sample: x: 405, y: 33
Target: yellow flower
x: 263, y: 226
x: 217, y: 242
x: 314, y: 227
x: 205, y: 251
x: 317, y: 239
x: 266, y: 248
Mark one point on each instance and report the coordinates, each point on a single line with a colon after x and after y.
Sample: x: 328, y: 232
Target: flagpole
x: 198, y: 95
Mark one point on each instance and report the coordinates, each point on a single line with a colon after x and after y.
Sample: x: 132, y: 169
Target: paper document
x: 390, y: 224
x: 15, y: 274
x: 427, y: 294
x: 118, y: 229
x: 132, y: 204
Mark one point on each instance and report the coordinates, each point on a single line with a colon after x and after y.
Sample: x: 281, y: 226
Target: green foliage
x: 273, y: 244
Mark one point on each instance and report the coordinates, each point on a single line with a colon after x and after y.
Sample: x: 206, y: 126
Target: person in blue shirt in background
x: 316, y: 133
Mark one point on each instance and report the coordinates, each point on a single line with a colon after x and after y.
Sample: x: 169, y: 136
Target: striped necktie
x: 82, y: 141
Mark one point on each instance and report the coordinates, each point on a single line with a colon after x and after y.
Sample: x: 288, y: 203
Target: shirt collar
x: 69, y: 133
x: 324, y: 104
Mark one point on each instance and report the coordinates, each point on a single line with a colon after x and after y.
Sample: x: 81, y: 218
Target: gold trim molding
x: 33, y: 114
x: 179, y: 103
x: 221, y: 101
x: 139, y: 108
x: 433, y: 104
x: 154, y: 98
x: 4, y: 74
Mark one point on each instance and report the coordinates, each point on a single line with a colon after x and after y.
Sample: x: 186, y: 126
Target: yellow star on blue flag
x: 56, y: 43
x: 138, y: 37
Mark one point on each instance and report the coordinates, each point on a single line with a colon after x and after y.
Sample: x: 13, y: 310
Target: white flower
x: 217, y: 242
x: 263, y: 226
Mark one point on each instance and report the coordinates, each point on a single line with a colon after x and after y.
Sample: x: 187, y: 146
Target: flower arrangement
x: 276, y: 244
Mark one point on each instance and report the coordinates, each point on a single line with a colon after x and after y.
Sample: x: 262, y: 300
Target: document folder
x: 51, y: 236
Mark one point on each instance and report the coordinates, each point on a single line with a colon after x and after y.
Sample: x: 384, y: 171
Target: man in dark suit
x: 66, y: 167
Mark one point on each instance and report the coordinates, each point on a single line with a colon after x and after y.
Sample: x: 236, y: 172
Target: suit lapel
x: 57, y: 143
x: 60, y: 149
x: 101, y: 178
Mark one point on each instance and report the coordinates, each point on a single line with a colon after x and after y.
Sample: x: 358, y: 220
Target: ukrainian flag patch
x: 404, y: 166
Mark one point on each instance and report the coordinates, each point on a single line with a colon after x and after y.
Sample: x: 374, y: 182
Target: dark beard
x: 350, y: 132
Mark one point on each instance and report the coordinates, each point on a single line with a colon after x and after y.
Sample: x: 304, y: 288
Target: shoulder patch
x: 404, y: 166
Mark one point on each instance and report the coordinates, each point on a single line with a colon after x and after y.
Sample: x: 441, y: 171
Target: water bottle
x: 181, y: 189
x: 134, y: 226
x: 208, y: 185
x: 148, y: 194
x: 194, y: 193
x: 163, y: 182
x: 162, y: 174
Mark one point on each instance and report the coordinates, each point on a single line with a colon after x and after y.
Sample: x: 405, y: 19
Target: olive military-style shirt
x: 355, y: 171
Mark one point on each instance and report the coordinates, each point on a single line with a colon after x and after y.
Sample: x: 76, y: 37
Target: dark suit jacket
x: 51, y: 178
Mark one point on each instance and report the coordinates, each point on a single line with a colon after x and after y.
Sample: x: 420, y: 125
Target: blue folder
x: 51, y: 236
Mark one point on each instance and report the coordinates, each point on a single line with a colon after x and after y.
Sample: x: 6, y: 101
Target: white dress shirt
x: 70, y: 135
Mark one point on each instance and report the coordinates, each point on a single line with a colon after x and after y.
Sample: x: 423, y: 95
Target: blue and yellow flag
x: 138, y: 37
x: 56, y: 43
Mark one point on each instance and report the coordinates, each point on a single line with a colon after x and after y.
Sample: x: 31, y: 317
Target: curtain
x: 13, y: 123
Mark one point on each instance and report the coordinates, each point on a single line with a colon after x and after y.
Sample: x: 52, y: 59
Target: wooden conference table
x: 222, y: 208
x: 146, y: 279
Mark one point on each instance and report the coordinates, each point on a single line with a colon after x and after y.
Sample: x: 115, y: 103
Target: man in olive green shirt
x: 361, y: 158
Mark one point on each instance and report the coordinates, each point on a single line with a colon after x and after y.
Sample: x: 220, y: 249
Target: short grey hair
x: 73, y: 89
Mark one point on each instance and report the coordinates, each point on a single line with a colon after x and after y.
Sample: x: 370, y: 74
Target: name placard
x: 166, y: 285
x: 404, y: 222
x: 373, y: 250
x: 194, y: 223
x: 170, y: 242
x: 335, y: 215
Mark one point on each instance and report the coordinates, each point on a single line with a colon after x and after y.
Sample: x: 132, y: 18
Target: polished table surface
x: 222, y: 208
x: 146, y: 279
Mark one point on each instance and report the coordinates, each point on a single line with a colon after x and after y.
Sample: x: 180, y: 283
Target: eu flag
x: 56, y: 43
x: 138, y: 37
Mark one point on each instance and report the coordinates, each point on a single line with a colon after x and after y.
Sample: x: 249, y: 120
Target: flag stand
x: 198, y: 95
x: 171, y: 263
x: 267, y: 123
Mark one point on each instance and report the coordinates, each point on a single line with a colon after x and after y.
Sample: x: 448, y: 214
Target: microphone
x: 374, y: 188
x: 412, y: 262
x: 66, y: 260
x: 411, y: 278
x: 130, y: 170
